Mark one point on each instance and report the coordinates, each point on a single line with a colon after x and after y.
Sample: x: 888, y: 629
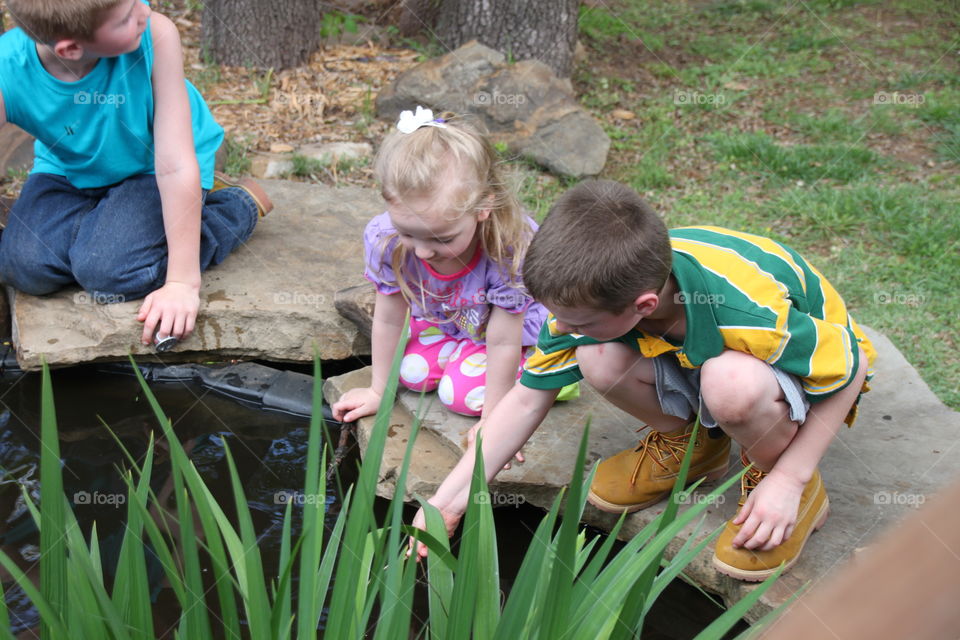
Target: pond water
x: 269, y: 449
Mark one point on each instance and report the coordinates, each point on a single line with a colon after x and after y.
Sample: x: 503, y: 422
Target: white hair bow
x: 410, y: 121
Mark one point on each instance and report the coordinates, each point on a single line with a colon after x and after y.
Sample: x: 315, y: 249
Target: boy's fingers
x: 519, y: 456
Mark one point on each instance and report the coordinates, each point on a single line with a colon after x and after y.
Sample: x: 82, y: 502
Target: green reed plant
x: 566, y: 587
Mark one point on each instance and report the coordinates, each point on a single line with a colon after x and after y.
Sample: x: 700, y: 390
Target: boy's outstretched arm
x: 173, y: 308
x: 505, y: 431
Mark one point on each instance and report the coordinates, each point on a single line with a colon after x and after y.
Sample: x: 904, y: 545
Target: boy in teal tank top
x: 122, y: 197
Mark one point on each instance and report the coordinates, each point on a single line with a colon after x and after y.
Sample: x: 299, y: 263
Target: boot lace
x: 659, y: 447
x: 750, y: 480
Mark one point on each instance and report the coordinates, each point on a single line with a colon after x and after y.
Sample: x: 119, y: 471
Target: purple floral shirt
x: 464, y: 298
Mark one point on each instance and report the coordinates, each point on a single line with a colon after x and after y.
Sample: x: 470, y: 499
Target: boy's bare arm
x: 173, y: 308
x: 3, y: 111
x: 770, y: 512
x: 505, y: 431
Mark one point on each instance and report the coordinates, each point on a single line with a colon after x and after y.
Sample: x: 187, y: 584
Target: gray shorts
x: 679, y: 391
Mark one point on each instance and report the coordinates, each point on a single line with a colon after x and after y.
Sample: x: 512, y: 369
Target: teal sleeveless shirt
x: 98, y: 130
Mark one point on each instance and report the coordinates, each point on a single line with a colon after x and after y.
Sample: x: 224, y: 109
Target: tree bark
x: 544, y: 30
x: 253, y: 33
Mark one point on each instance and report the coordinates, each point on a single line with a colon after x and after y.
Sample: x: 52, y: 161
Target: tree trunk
x: 278, y: 34
x: 544, y: 30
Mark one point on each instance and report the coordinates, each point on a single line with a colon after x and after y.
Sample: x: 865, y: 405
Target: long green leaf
x: 440, y: 572
x: 519, y: 607
x: 131, y: 587
x: 309, y: 604
x: 346, y: 611
x: 557, y: 609
x: 396, y: 601
x: 195, y: 621
x: 53, y: 550
x: 475, y: 603
x: 256, y: 601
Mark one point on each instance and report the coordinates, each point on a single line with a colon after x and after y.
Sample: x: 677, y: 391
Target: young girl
x: 450, y: 249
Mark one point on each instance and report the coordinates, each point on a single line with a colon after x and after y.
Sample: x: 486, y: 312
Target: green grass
x: 760, y: 154
x: 799, y: 150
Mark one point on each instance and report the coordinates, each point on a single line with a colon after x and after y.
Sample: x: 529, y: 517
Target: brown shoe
x: 754, y: 565
x: 638, y: 478
x: 251, y: 186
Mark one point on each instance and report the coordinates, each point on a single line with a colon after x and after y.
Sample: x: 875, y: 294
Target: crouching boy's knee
x: 734, y: 384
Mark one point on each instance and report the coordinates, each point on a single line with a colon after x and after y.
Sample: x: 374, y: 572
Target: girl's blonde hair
x: 411, y: 165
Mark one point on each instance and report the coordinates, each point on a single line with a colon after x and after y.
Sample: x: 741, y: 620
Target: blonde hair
x: 411, y: 165
x: 47, y: 21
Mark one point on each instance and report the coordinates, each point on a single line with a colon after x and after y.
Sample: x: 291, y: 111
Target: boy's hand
x: 769, y: 513
x: 450, y: 520
x: 171, y: 309
x: 356, y: 403
x: 472, y: 435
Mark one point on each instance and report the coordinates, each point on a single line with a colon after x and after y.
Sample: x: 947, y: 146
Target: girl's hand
x: 450, y: 520
x: 356, y: 403
x: 769, y: 513
x: 472, y: 435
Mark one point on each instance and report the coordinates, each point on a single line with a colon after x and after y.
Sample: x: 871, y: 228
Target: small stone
x: 623, y: 114
x: 281, y: 147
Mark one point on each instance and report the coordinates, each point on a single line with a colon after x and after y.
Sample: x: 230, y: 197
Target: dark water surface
x: 270, y: 452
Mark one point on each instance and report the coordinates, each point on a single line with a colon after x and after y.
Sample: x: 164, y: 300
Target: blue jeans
x: 109, y: 240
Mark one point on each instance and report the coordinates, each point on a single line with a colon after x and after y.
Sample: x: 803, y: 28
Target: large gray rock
x: 271, y: 299
x: 876, y: 473
x: 523, y: 105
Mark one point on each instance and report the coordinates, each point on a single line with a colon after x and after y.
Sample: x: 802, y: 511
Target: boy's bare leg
x: 746, y: 400
x: 626, y: 379
x: 641, y: 476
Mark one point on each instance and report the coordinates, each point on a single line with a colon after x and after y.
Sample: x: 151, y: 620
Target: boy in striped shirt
x: 667, y: 325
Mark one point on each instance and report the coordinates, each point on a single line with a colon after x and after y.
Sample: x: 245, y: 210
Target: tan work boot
x: 251, y: 186
x: 638, y: 478
x: 754, y: 565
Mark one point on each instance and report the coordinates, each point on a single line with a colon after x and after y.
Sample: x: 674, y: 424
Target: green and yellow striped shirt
x: 742, y: 292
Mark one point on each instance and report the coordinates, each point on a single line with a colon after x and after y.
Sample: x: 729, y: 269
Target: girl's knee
x: 461, y: 394
x: 415, y: 373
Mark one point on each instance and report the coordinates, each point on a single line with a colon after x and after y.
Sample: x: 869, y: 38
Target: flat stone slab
x: 271, y: 299
x: 902, y: 450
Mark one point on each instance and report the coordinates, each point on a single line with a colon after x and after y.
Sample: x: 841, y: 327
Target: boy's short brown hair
x: 47, y: 21
x: 600, y: 247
